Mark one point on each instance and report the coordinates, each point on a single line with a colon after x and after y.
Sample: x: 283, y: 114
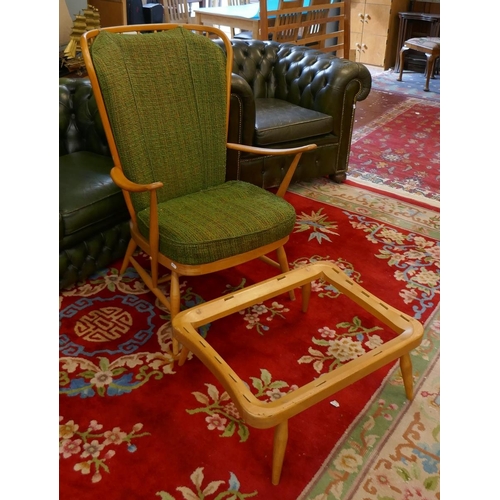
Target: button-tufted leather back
x: 80, y: 126
x: 295, y: 73
x: 255, y: 62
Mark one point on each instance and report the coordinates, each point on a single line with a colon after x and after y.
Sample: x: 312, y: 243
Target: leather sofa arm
x: 241, y: 122
x: 242, y: 112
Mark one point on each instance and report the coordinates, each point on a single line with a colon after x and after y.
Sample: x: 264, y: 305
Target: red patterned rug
x: 397, y: 150
x: 131, y: 427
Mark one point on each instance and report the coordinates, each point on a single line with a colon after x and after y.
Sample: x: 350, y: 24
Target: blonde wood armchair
x: 169, y: 151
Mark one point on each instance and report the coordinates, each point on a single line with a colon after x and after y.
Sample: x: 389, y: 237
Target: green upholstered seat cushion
x: 219, y: 222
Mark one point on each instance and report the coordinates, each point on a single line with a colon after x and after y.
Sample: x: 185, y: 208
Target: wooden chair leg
x: 280, y: 441
x: 407, y: 373
x: 433, y: 68
x: 175, y: 306
x: 283, y: 261
x: 428, y: 66
x: 132, y: 245
x: 184, y: 354
x: 401, y: 63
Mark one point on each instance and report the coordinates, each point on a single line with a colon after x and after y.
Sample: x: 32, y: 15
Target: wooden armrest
x: 285, y: 151
x: 270, y: 151
x: 123, y: 183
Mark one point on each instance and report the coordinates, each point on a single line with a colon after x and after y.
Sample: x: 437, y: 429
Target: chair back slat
x: 313, y: 30
x: 288, y: 23
x: 176, y: 11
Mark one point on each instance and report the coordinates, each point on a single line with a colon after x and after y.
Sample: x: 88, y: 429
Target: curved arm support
x: 270, y: 151
x: 285, y: 151
x: 123, y: 183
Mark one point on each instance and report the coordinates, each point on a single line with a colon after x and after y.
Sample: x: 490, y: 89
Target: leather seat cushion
x: 279, y: 121
x: 88, y: 197
x: 220, y: 222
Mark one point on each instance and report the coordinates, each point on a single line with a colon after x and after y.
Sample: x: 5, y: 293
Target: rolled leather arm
x: 242, y: 112
x: 241, y: 122
x: 80, y: 125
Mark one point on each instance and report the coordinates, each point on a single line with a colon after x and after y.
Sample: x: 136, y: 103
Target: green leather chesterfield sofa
x: 287, y: 95
x: 282, y: 95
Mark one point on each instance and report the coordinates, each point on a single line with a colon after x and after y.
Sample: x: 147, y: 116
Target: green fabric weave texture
x: 165, y: 94
x: 220, y: 222
x: 167, y: 112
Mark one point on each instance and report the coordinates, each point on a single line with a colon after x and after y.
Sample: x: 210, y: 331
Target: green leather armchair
x: 93, y: 218
x: 286, y: 95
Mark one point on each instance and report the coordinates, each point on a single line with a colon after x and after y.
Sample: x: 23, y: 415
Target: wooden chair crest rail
x: 169, y: 151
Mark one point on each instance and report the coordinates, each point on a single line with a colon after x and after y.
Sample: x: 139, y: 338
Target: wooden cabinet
x: 374, y: 30
x: 113, y: 12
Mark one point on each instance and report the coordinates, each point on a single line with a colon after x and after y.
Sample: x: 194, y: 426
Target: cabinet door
x: 373, y: 49
x: 112, y: 12
x: 376, y: 19
x: 357, y: 17
x: 356, y: 46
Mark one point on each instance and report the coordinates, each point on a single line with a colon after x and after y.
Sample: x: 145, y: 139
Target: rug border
x: 399, y: 194
x: 342, y: 441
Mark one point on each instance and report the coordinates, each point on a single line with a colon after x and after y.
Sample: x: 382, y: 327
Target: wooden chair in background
x: 288, y: 21
x: 176, y: 11
x: 430, y: 46
x: 169, y: 150
x: 313, y: 30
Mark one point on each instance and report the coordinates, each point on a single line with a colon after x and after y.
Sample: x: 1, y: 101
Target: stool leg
x: 433, y: 69
x: 401, y: 63
x: 428, y: 69
x: 306, y: 295
x: 280, y: 440
x: 407, y: 373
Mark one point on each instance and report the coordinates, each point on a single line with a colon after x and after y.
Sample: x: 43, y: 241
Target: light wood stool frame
x: 263, y: 415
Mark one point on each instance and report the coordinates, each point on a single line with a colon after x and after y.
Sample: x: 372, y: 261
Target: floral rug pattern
x: 392, y: 451
x: 110, y: 358
x: 396, y: 150
x: 400, y: 150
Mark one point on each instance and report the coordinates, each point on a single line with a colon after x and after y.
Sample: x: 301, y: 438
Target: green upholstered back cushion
x: 165, y: 94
